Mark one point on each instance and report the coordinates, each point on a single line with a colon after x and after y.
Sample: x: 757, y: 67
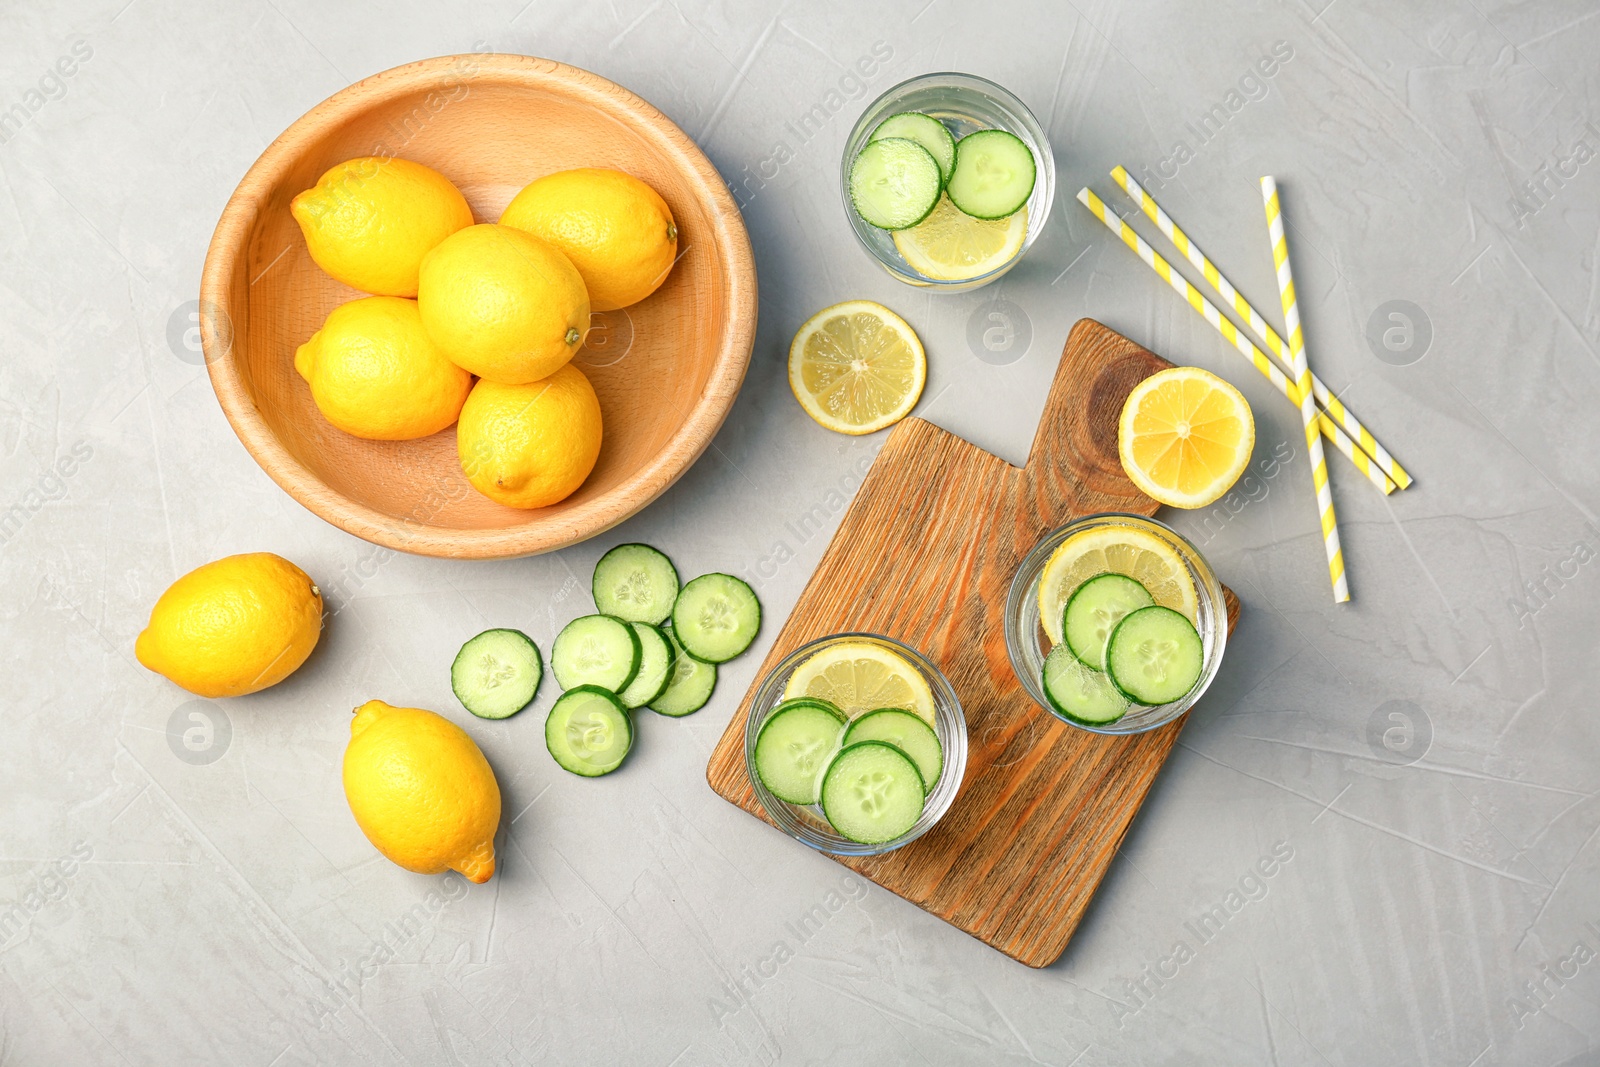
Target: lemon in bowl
x: 369, y: 221
x: 530, y: 446
x: 617, y: 230
x: 374, y: 373
x: 503, y: 304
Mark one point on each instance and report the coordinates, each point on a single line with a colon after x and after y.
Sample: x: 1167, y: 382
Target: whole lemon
x: 234, y: 626
x: 369, y: 221
x: 374, y: 373
x: 421, y: 791
x: 503, y: 304
x: 529, y: 446
x: 617, y: 230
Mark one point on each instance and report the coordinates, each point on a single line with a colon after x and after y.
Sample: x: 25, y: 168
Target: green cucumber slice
x: 497, y: 673
x: 894, y: 183
x: 1155, y: 655
x: 588, y: 731
x: 1080, y: 693
x: 794, y: 747
x: 656, y: 657
x: 1093, y: 611
x: 994, y: 174
x: 826, y: 705
x: 596, y: 650
x: 928, y: 132
x: 872, y: 793
x: 636, y: 583
x: 716, y: 616
x: 690, y: 684
x: 905, y: 731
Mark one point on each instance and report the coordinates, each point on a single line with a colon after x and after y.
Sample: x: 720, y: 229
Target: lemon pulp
x: 858, y: 677
x: 857, y: 367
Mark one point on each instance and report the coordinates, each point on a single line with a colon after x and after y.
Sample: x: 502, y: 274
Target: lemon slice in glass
x: 1139, y: 554
x: 1185, y: 436
x: 857, y: 367
x: 859, y: 677
x: 951, y: 246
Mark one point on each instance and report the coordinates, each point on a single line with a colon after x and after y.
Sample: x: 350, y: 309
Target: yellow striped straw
x: 1302, y: 377
x: 1231, y: 333
x: 1341, y: 414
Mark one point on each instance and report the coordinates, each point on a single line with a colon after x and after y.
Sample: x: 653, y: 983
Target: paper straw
x: 1342, y: 415
x: 1302, y: 377
x: 1231, y: 333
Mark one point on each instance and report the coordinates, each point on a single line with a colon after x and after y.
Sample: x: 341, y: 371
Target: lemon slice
x: 1139, y: 554
x: 1185, y: 436
x: 859, y: 677
x: 857, y: 367
x: 952, y: 246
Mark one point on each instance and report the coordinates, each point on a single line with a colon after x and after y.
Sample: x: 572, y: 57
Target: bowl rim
x: 732, y: 359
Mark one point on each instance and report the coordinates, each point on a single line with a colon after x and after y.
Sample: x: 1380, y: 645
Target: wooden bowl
x: 667, y: 369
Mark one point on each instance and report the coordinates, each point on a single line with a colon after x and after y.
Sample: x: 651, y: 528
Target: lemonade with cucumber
x: 947, y: 179
x: 1115, y: 623
x: 856, y: 744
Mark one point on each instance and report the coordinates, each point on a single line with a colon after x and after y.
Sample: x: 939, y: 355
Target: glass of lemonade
x: 883, y: 705
x: 1088, y: 577
x: 950, y: 249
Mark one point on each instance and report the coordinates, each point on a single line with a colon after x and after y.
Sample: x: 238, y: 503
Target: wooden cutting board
x: 926, y: 554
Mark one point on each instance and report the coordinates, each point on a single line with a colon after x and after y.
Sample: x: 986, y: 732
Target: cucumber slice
x: 826, y: 705
x: 1079, y: 693
x: 690, y: 684
x: 716, y: 617
x: 905, y: 731
x: 596, y: 650
x: 872, y: 793
x: 927, y: 131
x: 894, y: 183
x: 794, y: 747
x: 1093, y: 611
x: 588, y: 731
x: 1155, y: 655
x: 656, y: 657
x: 496, y: 674
x: 994, y: 174
x: 636, y: 583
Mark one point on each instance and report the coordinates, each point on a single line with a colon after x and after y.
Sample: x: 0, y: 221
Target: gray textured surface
x: 231, y: 912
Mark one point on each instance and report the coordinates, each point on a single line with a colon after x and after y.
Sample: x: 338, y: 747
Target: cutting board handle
x: 1076, y: 445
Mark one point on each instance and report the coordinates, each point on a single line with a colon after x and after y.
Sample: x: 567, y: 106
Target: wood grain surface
x: 666, y: 369
x: 926, y: 554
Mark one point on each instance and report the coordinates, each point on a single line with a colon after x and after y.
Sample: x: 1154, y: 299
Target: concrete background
x: 1434, y: 899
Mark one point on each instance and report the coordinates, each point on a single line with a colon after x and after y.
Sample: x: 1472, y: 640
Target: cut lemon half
x: 1185, y: 436
x: 859, y: 677
x: 857, y: 367
x: 952, y: 246
x: 1139, y: 554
